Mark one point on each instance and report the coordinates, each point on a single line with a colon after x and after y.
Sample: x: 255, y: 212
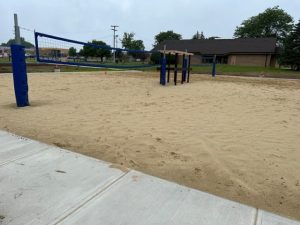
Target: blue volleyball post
x: 19, y: 75
x: 214, y: 66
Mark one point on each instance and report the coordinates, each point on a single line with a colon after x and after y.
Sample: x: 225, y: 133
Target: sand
x: 238, y: 138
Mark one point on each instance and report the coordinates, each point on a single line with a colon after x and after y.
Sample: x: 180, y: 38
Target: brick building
x: 241, y: 51
x: 4, y: 51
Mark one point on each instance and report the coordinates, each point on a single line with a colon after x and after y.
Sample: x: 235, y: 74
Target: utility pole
x: 17, y: 30
x: 114, y: 30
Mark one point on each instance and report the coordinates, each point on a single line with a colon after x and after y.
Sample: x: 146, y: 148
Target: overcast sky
x: 85, y: 20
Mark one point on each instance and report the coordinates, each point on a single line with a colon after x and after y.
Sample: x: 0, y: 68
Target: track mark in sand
x: 60, y: 171
x: 209, y: 148
x: 133, y: 163
x: 61, y: 145
x: 119, y: 167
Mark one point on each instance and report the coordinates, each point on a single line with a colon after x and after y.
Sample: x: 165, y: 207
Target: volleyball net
x: 63, y: 51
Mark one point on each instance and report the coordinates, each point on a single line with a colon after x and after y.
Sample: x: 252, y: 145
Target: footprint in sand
x: 158, y: 139
x: 152, y: 147
x: 132, y: 163
x: 175, y: 155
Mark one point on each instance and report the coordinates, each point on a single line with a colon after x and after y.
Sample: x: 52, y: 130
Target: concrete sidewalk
x: 42, y: 184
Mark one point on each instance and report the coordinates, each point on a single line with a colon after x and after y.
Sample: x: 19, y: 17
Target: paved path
x: 42, y: 184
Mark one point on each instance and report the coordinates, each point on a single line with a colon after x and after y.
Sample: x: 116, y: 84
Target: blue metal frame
x: 163, y: 70
x: 88, y: 44
x: 39, y: 59
x: 92, y: 65
x: 213, y: 72
x: 37, y: 53
x: 184, y: 69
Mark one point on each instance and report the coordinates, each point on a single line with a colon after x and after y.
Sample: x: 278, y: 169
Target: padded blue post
x: 214, y: 67
x: 185, y: 63
x: 163, y: 70
x: 20, y: 75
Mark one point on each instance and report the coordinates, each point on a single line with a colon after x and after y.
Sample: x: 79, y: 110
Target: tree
x: 128, y: 42
x: 72, y: 51
x: 273, y: 22
x: 138, y: 45
x: 93, y: 51
x: 290, y: 54
x: 155, y: 57
x: 23, y: 42
x: 168, y: 35
x: 199, y: 36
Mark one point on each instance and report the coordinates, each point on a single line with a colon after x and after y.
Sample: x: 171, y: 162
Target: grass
x: 79, y: 69
x: 248, y: 71
x: 6, y: 60
x: 201, y: 69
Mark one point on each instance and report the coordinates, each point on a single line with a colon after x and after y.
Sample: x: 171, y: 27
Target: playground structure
x: 166, y: 66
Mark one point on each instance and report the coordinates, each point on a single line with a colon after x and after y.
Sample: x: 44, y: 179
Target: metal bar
x: 188, y: 71
x: 175, y: 69
x: 91, y: 65
x: 182, y: 72
x: 37, y: 53
x: 163, y: 70
x: 214, y: 66
x: 161, y: 67
x: 169, y: 65
x: 90, y: 44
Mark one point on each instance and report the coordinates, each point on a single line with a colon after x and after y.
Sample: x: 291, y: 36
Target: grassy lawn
x: 247, y: 71
x: 6, y: 60
x: 79, y: 69
x: 201, y: 69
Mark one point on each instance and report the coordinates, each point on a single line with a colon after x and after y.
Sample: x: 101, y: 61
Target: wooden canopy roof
x: 173, y: 52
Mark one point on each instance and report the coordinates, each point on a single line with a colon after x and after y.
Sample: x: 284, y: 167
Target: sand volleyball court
x: 238, y: 138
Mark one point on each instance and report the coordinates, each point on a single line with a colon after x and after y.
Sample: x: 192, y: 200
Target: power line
x: 26, y: 29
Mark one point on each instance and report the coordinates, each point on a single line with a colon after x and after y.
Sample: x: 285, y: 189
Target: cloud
x: 91, y: 19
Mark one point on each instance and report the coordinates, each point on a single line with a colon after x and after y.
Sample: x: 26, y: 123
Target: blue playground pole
x: 19, y: 75
x: 185, y: 63
x: 214, y: 67
x: 163, y: 70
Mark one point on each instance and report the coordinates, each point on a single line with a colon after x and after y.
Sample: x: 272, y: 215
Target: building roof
x: 222, y: 46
